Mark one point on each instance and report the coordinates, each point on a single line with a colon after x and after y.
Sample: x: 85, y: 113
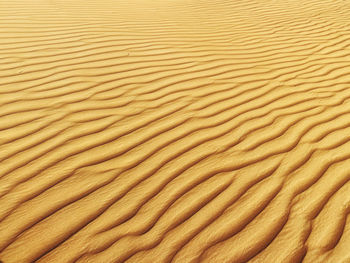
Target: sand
x: 174, y: 131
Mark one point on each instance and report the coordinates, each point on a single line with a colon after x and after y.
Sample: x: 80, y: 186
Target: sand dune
x: 174, y: 131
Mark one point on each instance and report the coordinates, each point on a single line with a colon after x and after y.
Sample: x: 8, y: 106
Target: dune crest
x: 174, y: 131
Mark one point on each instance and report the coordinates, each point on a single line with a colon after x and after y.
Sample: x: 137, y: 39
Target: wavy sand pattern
x: 174, y: 131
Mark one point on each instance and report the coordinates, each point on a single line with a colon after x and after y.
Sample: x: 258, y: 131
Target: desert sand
x: 174, y: 131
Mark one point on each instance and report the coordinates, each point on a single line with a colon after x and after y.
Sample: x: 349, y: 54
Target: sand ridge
x: 174, y: 131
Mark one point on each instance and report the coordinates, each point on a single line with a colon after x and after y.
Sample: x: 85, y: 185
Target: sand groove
x: 174, y: 131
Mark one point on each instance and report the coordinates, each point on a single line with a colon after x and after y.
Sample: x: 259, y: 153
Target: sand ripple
x: 174, y: 131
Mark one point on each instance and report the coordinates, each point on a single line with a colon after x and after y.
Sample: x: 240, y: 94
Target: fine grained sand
x: 174, y: 131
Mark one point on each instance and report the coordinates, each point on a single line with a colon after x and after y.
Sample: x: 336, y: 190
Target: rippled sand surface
x: 174, y: 131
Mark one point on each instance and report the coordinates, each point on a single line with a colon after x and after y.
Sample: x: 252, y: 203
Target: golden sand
x: 174, y: 131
